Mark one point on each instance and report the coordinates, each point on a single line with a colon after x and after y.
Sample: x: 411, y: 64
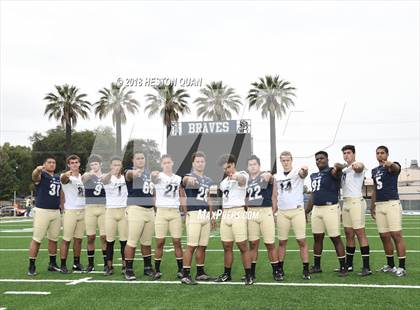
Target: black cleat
x: 243, y: 278
x: 63, y: 269
x: 129, y: 275
x: 188, y: 280
x: 78, y: 267
x: 365, y: 272
x: 315, y: 269
x: 223, y: 278
x: 179, y: 275
x: 53, y: 268
x: 306, y: 275
x: 343, y: 273
x: 157, y: 275
x: 32, y: 271
x: 109, y: 271
x: 204, y: 277
x: 89, y: 269
x: 349, y: 269
x: 281, y: 270
x: 249, y: 281
x: 149, y: 272
x: 277, y: 276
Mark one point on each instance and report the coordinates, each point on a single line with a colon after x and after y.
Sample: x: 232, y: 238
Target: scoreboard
x: 214, y: 139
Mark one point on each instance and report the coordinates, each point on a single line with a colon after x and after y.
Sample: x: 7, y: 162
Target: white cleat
x: 400, y: 272
x: 387, y: 268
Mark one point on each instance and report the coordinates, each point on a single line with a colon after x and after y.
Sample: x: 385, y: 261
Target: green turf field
x: 323, y: 291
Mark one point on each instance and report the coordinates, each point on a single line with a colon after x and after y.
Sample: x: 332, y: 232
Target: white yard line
x: 75, y: 282
x: 26, y: 293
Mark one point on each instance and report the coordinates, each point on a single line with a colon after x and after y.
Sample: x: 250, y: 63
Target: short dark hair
x: 226, y: 159
x: 198, y: 154
x: 255, y: 157
x: 72, y: 157
x: 383, y: 147
x: 115, y: 158
x: 49, y: 157
x: 95, y: 158
x: 321, y: 153
x: 349, y: 147
x: 165, y: 156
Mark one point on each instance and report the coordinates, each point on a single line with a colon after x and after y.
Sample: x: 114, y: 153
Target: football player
x: 233, y: 226
x: 288, y: 201
x: 46, y: 214
x: 169, y: 196
x: 95, y: 209
x: 73, y: 196
x: 323, y: 203
x: 387, y: 211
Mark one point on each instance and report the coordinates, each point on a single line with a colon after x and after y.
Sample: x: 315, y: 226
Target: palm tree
x: 66, y: 106
x: 218, y: 102
x: 273, y: 97
x: 116, y: 100
x: 169, y: 102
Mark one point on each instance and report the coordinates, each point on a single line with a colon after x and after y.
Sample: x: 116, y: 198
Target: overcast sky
x: 362, y: 54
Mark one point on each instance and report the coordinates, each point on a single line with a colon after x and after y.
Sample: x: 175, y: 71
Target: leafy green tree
x: 66, y: 106
x: 272, y: 97
x: 217, y: 102
x: 169, y: 103
x: 8, y: 180
x: 116, y: 100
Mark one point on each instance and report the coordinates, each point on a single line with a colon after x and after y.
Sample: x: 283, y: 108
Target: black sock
x: 253, y: 265
x: 76, y: 260
x: 157, y: 265
x: 104, y: 256
x: 349, y: 255
x: 109, y: 250
x: 248, y: 272
x: 32, y: 261
x: 91, y: 257
x: 147, y: 260
x: 122, y: 249
x: 390, y: 261
x: 228, y: 271
x: 401, y: 262
x: 305, y: 267
x: 200, y: 270
x: 179, y: 264
x: 186, y: 271
x: 53, y: 259
x: 63, y: 262
x: 317, y: 261
x: 364, y: 250
x: 129, y: 263
x: 281, y: 265
x: 275, y: 267
x: 342, y: 262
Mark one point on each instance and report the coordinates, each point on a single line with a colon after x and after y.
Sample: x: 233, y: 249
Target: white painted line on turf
x: 79, y: 281
x: 35, y: 280
x: 26, y: 293
x: 3, y: 308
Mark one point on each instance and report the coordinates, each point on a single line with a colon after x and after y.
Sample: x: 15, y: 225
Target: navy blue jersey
x: 94, y: 191
x: 258, y: 192
x: 197, y: 194
x: 386, y: 183
x: 325, y: 187
x: 48, y: 192
x: 140, y: 190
